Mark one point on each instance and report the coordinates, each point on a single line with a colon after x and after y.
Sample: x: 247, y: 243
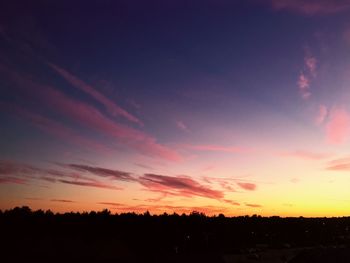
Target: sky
x: 234, y: 107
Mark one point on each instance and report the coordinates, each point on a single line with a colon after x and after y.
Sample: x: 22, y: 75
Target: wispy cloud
x: 253, y: 205
x: 19, y: 173
x: 34, y: 198
x: 89, y: 116
x: 178, y: 186
x: 307, y: 74
x: 218, y: 148
x: 228, y: 184
x: 341, y: 164
x: 111, y: 204
x: 306, y: 155
x: 231, y: 202
x: 338, y: 126
x: 55, y: 128
x: 294, y: 180
x: 247, y: 186
x: 304, y: 86
x: 322, y: 114
x: 311, y: 64
x: 182, y: 126
x: 91, y: 184
x: 111, y: 106
x: 312, y: 7
x: 144, y: 166
x: 62, y: 201
x: 11, y: 180
x: 103, y: 172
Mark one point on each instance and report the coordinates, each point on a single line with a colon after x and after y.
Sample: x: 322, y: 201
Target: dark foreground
x: 39, y: 236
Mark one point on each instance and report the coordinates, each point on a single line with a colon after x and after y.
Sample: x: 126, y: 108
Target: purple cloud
x: 179, y: 186
x: 312, y: 7
x: 103, y: 172
x: 78, y: 83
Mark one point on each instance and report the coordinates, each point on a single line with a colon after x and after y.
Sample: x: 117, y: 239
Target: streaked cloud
x: 253, y: 205
x: 90, y: 184
x: 62, y: 201
x: 306, y: 155
x: 247, y: 186
x: 218, y: 148
x: 19, y: 173
x: 341, y: 164
x: 12, y: 180
x: 182, y: 126
x: 178, y: 186
x: 104, y: 172
x: 312, y: 7
x: 56, y: 128
x: 111, y: 106
x: 110, y: 204
x: 89, y: 116
x: 231, y: 202
x: 322, y: 114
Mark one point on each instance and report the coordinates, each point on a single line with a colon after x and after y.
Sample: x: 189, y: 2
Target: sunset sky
x: 234, y: 107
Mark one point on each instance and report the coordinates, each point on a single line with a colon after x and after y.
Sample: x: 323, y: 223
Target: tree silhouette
x: 43, y: 236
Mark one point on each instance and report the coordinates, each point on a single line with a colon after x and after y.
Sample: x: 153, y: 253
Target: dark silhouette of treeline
x: 43, y: 236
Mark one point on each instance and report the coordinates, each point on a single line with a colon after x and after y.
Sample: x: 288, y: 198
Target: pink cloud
x: 91, y: 117
x: 338, y: 126
x: 110, y: 105
x: 182, y: 126
x: 340, y: 167
x: 304, y: 80
x: 227, y: 186
x: 306, y: 155
x: 311, y: 64
x: 90, y: 184
x: 217, y: 148
x: 247, y: 186
x: 11, y: 180
x: 342, y: 164
x: 322, y: 114
x: 56, y: 129
x: 178, y: 186
x: 304, y: 86
x: 312, y: 7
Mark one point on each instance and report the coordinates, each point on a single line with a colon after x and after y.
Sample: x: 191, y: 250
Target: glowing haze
x: 234, y: 107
